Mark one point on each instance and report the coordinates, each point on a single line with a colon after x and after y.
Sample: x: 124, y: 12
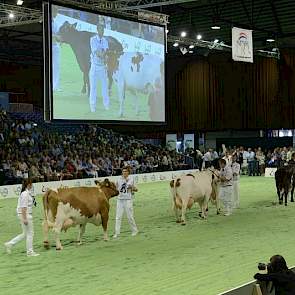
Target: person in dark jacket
x: 280, y: 275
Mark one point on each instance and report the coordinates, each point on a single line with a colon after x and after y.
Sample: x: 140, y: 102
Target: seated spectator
x: 34, y: 173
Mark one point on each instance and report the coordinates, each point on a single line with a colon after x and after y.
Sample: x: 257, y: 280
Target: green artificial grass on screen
x: 201, y: 258
x: 69, y: 103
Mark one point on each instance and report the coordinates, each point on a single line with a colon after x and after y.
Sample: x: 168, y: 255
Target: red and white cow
x: 199, y: 188
x: 69, y: 207
x: 137, y: 73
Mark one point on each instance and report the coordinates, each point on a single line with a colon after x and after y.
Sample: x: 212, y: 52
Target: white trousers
x: 236, y: 193
x: 55, y: 66
x: 226, y: 196
x: 98, y: 73
x: 28, y: 233
x: 127, y: 206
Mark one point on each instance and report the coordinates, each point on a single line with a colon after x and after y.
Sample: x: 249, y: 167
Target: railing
x: 21, y: 108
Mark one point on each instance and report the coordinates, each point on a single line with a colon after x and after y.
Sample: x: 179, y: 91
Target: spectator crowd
x: 46, y: 154
x: 253, y: 161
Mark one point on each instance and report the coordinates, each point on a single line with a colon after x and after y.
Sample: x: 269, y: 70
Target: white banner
x: 171, y: 141
x: 270, y: 172
x: 13, y: 191
x: 242, y: 45
x: 188, y: 141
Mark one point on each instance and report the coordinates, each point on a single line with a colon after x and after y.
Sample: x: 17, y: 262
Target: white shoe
x: 115, y: 236
x: 8, y: 248
x: 227, y: 214
x: 134, y: 233
x: 32, y: 254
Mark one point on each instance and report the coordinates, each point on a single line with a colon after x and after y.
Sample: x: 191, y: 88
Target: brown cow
x: 69, y: 207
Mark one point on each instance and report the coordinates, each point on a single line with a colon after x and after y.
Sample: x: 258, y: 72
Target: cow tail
x: 45, y: 204
x: 177, y: 203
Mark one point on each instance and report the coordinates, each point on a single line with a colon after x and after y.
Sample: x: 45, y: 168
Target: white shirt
x: 98, y: 45
x: 25, y: 200
x: 207, y: 157
x: 122, y: 186
x: 228, y: 174
x: 236, y: 170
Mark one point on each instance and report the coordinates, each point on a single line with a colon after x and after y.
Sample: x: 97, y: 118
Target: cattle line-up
x: 68, y: 207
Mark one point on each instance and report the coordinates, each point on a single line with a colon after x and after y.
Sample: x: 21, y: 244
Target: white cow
x: 193, y: 188
x: 137, y: 73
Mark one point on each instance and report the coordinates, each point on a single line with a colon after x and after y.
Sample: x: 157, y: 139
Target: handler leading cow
x: 77, y: 206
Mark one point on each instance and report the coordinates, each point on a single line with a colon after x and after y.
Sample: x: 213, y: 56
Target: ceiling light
x: 199, y: 37
x: 191, y: 46
x: 270, y: 39
x: 11, y: 15
x: 175, y: 44
x: 215, y: 27
x: 183, y: 34
x: 19, y: 2
x: 216, y: 41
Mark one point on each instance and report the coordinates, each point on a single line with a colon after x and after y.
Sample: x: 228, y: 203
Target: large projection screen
x: 105, y: 68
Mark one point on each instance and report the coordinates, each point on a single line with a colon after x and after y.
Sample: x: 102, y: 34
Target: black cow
x: 80, y: 43
x: 285, y: 183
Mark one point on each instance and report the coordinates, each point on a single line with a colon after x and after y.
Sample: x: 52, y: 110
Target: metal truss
x: 218, y: 46
x: 117, y: 8
x: 22, y: 15
x: 140, y: 4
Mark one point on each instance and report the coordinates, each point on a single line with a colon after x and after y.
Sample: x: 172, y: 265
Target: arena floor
x: 201, y: 258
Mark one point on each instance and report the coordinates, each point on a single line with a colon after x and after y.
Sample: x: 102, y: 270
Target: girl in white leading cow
x: 226, y: 187
x: 126, y: 188
x: 24, y: 212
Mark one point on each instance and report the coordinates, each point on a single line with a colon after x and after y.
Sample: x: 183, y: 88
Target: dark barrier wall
x: 22, y: 78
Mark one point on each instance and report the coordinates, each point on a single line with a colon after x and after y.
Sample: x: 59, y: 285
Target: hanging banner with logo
x: 171, y: 141
x: 188, y: 141
x: 242, y: 45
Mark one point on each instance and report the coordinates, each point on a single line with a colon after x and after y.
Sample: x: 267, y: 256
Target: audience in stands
x: 46, y: 154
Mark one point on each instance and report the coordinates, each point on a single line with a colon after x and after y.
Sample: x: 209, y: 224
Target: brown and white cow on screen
x: 193, y: 188
x: 69, y: 207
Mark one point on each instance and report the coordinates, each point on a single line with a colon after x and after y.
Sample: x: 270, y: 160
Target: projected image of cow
x: 104, y: 68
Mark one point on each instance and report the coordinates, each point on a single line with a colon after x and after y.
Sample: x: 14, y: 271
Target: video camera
x: 265, y: 266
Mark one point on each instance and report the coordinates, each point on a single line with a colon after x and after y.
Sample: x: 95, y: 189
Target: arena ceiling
x: 268, y: 19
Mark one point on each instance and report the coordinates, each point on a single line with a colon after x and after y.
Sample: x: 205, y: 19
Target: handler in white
x: 24, y: 212
x: 98, y: 71
x: 126, y: 187
x: 226, y: 187
x: 236, y: 182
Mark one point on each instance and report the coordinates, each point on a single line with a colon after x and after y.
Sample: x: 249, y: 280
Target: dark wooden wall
x: 216, y: 93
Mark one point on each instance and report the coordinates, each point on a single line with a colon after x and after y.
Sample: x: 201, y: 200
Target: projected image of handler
x: 55, y: 51
x: 98, y: 69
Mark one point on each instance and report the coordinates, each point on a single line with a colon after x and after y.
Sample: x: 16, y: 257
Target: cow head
x: 108, y: 187
x: 66, y: 31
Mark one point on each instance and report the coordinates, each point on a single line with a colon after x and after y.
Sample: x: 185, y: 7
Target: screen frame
x: 48, y: 78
